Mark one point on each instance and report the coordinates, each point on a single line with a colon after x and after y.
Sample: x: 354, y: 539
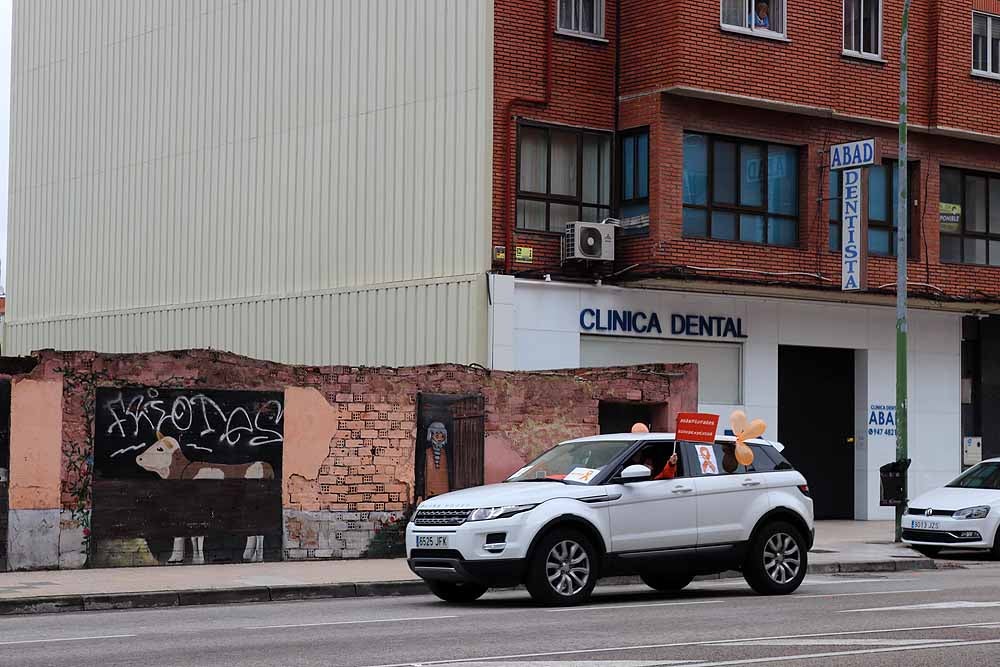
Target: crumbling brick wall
x: 349, y: 482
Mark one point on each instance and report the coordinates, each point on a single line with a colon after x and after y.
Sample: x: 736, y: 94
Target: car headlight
x: 977, y: 512
x: 487, y: 513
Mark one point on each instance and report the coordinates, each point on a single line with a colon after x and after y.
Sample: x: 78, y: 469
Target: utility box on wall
x: 972, y: 450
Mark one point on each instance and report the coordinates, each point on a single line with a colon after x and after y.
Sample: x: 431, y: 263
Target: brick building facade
x: 740, y: 216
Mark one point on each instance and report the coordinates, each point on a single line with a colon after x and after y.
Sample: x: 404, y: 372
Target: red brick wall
x: 659, y: 51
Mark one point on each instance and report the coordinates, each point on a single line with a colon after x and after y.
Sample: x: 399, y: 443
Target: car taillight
x: 804, y: 488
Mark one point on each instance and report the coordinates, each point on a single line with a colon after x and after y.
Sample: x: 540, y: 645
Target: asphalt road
x: 947, y: 617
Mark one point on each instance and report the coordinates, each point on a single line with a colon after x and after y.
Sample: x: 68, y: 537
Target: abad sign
x: 849, y: 159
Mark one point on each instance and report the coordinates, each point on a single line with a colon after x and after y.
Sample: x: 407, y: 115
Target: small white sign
x: 881, y: 420
x: 851, y: 257
x: 582, y: 475
x: 707, y: 460
x: 972, y: 450
x: 852, y: 155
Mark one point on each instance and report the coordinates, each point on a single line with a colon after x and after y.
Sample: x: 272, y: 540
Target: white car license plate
x: 926, y: 525
x: 432, y: 541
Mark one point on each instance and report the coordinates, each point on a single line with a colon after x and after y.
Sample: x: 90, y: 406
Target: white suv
x: 589, y: 508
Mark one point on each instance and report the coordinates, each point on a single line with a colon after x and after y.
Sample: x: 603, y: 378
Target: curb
x: 183, y: 598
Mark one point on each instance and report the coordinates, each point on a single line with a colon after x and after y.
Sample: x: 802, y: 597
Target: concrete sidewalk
x: 841, y: 546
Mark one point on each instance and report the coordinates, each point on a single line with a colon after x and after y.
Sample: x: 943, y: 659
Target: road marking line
x: 65, y: 639
x: 642, y: 647
x: 844, y: 595
x: 927, y: 606
x: 834, y: 654
x: 806, y: 582
x: 841, y: 641
x: 631, y: 606
x: 373, y: 620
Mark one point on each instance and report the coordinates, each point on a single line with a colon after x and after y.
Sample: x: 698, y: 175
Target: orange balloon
x: 755, y: 429
x: 744, y: 454
x: 738, y: 420
x: 639, y: 427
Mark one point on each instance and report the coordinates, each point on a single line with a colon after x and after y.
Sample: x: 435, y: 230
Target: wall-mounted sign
x: 524, y: 255
x: 852, y: 258
x: 972, y: 450
x: 854, y: 154
x: 881, y: 420
x: 950, y: 217
x: 598, y: 320
x: 499, y: 253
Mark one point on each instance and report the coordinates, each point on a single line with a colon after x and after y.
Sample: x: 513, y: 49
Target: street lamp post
x: 901, y: 253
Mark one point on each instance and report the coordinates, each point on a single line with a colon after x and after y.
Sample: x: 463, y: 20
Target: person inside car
x: 645, y: 458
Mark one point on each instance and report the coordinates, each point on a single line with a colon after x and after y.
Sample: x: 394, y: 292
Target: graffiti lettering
x: 197, y: 414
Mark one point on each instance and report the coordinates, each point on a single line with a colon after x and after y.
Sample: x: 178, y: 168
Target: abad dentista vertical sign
x: 850, y: 160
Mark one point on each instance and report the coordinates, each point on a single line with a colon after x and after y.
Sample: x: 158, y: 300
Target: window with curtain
x: 863, y: 27
x: 739, y: 190
x: 969, y: 217
x: 766, y: 16
x: 883, y: 214
x: 986, y: 44
x: 563, y: 175
x: 634, y: 168
x: 581, y: 17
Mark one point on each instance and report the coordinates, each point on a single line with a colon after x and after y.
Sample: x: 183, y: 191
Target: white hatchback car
x: 964, y: 514
x: 589, y: 508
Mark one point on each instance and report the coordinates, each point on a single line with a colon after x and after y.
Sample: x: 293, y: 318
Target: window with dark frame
x: 883, y: 214
x: 969, y: 217
x: 740, y: 190
x: 863, y: 27
x: 633, y: 158
x: 563, y: 175
x: 986, y: 43
x: 581, y: 17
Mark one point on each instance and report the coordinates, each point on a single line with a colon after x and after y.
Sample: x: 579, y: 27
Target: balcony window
x: 563, y: 175
x: 581, y: 17
x: 883, y: 214
x: 969, y: 217
x: 762, y: 16
x: 634, y: 173
x: 739, y: 190
x: 986, y: 44
x: 863, y: 27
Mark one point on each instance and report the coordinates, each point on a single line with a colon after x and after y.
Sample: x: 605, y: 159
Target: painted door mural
x: 4, y: 468
x: 186, y: 476
x: 450, y: 443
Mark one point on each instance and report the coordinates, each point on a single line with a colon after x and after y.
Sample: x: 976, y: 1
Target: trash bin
x: 892, y: 489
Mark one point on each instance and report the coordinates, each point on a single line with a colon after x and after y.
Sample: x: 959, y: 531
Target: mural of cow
x: 166, y: 458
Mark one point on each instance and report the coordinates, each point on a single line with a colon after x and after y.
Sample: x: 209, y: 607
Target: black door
x: 816, y: 423
x: 621, y: 417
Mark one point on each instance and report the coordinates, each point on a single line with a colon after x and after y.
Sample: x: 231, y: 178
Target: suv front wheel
x: 456, y: 592
x: 777, y: 561
x: 563, y: 568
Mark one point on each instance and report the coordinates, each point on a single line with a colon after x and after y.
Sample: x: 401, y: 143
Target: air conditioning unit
x: 589, y: 241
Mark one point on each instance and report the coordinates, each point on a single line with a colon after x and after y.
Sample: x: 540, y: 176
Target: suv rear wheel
x: 450, y: 591
x: 777, y: 561
x: 665, y: 581
x: 563, y: 568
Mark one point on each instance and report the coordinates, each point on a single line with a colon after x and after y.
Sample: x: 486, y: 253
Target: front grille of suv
x: 441, y: 517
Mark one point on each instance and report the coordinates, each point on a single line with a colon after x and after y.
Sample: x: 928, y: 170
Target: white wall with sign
x: 536, y: 325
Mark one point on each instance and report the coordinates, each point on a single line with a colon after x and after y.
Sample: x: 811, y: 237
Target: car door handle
x: 751, y: 482
x: 682, y: 489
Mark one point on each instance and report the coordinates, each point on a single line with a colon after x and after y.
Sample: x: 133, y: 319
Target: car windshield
x: 982, y: 476
x: 572, y: 462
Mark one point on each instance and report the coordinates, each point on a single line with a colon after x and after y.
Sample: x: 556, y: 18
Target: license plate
x: 432, y: 541
x: 926, y: 525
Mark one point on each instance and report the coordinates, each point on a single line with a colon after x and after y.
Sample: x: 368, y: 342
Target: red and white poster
x: 696, y: 427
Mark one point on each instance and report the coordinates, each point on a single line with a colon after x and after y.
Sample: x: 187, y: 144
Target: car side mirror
x: 636, y: 473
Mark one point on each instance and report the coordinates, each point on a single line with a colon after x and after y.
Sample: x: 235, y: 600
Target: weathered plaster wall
x: 35, y: 473
x: 349, y: 450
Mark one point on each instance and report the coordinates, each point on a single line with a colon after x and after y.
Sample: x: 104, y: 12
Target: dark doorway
x: 620, y: 417
x: 816, y: 423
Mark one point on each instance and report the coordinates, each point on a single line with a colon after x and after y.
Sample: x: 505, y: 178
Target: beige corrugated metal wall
x: 304, y: 181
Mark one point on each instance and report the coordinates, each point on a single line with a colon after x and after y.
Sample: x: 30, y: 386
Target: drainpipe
x: 509, y: 204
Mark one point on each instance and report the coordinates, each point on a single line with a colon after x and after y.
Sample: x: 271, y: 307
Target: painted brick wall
x: 351, y: 500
